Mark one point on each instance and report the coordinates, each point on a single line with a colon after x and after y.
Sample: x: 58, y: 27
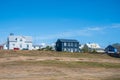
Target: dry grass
x: 50, y: 53
x: 50, y: 65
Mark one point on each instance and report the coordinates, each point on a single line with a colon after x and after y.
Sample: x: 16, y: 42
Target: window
x: 76, y: 50
x: 20, y: 45
x: 27, y: 46
x: 68, y: 44
x: 71, y: 44
x: 16, y: 39
x: 57, y: 45
x: 64, y: 49
x: 75, y: 44
x: 71, y: 50
x: 65, y: 44
x: 20, y: 39
x: 13, y: 44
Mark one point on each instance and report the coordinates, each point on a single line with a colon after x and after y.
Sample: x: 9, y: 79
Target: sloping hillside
x: 50, y: 65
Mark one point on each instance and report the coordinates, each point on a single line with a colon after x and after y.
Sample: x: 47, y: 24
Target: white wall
x: 5, y: 47
x: 36, y: 47
x: 20, y: 43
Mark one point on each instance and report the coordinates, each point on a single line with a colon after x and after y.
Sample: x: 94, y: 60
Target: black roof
x: 67, y: 40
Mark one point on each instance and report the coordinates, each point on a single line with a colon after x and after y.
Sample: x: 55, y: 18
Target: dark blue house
x: 112, y: 49
x: 67, y: 45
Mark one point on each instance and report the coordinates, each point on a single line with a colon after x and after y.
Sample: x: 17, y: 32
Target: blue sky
x: 47, y: 20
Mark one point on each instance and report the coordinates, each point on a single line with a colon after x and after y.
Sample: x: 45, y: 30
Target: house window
x: 71, y: 50
x: 20, y: 45
x: 20, y: 39
x: 76, y: 50
x: 68, y: 44
x: 27, y: 46
x: 75, y: 44
x: 13, y: 44
x: 16, y: 39
x: 57, y: 45
x: 71, y: 44
x: 65, y: 44
x: 64, y: 49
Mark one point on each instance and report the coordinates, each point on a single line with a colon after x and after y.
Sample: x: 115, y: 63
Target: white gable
x: 93, y: 45
x: 20, y: 42
x: 18, y: 38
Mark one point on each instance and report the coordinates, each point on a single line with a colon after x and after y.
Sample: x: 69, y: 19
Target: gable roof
x: 116, y: 47
x: 67, y: 40
x: 27, y: 38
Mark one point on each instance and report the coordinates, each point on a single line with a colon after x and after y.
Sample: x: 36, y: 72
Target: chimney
x: 11, y: 34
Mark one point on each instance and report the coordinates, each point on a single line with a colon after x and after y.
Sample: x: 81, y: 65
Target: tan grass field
x: 50, y: 65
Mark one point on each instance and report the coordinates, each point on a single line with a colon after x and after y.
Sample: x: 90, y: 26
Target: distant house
x: 36, y: 47
x: 67, y: 45
x: 5, y: 46
x: 112, y: 49
x: 19, y: 42
x: 93, y: 46
x: 1, y: 47
x: 100, y: 50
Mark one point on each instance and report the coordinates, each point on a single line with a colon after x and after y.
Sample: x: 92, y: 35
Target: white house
x: 94, y: 46
x: 43, y: 45
x: 19, y: 42
x: 5, y: 46
x: 36, y: 47
x: 81, y: 46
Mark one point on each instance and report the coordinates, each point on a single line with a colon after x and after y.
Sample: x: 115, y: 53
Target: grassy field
x: 51, y: 65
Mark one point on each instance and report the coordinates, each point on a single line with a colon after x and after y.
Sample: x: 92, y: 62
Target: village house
x: 19, y: 42
x: 112, y: 49
x: 67, y: 45
x: 93, y: 47
x: 3, y: 46
x: 36, y: 47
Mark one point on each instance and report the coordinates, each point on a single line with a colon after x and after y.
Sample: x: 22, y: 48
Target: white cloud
x: 88, y: 32
x: 83, y: 32
x: 116, y: 26
x: 94, y: 28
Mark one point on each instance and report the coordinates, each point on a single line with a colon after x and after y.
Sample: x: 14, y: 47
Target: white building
x: 93, y: 45
x: 43, y: 45
x: 19, y: 42
x: 36, y: 47
x: 5, y: 46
